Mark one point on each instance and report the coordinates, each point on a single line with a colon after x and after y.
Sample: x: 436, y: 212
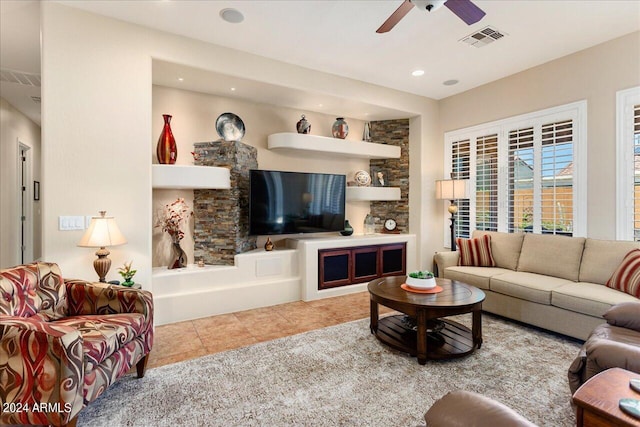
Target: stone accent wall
x: 222, y: 216
x: 393, y: 132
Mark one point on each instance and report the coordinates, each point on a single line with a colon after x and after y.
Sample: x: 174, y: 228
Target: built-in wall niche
x: 194, y: 115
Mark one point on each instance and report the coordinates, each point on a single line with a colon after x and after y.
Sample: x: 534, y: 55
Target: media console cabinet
x: 332, y: 266
x: 352, y: 265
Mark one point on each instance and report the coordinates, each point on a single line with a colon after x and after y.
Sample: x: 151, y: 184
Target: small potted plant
x: 127, y: 274
x: 421, y: 280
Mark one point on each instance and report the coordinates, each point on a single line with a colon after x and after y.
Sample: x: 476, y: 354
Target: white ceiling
x: 339, y: 37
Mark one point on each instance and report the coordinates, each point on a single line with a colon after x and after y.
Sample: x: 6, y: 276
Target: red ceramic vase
x: 166, y: 150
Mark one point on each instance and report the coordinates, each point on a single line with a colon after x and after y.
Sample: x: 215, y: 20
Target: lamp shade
x: 102, y: 232
x: 450, y: 189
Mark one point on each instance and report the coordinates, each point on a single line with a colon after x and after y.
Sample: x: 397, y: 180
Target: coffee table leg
x: 373, y: 325
x: 477, y: 328
x: 422, y: 337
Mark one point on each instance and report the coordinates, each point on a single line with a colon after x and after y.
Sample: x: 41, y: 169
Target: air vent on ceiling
x: 36, y: 99
x: 483, y: 37
x: 19, y: 77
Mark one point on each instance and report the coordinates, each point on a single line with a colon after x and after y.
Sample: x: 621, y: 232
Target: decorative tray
x: 421, y: 291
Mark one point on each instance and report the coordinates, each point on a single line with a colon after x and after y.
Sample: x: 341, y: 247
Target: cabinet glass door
x: 365, y: 264
x: 393, y: 259
x: 334, y: 267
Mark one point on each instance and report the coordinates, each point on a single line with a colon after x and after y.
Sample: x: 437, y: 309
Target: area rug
x: 343, y: 376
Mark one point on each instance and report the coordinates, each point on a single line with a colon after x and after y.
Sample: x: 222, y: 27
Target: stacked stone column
x: 222, y: 216
x: 393, y: 132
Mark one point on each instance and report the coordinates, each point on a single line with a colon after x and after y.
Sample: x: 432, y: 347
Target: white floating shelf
x: 372, y: 193
x: 288, y: 141
x: 184, y: 177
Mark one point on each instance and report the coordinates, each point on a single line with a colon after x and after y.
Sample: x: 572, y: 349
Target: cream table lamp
x: 102, y: 232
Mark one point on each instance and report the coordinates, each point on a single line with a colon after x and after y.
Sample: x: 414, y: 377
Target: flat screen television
x: 295, y: 202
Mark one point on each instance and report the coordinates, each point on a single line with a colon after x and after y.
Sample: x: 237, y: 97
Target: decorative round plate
x: 230, y: 127
x: 362, y: 178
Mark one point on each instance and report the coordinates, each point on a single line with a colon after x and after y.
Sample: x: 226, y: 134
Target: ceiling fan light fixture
x: 417, y: 73
x: 233, y: 16
x: 428, y: 5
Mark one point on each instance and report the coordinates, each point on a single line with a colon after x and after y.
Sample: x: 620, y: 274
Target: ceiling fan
x: 464, y: 9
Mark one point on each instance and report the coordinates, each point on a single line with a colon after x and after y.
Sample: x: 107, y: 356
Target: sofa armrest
x: 467, y: 409
x: 42, y: 371
x: 101, y: 298
x: 602, y: 354
x: 444, y: 260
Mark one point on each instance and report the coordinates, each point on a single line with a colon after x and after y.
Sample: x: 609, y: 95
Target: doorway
x: 25, y: 204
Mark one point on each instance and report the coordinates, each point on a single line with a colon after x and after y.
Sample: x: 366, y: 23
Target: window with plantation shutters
x: 556, y: 190
x: 460, y: 169
x: 525, y: 173
x: 486, y: 194
x: 521, y: 164
x: 628, y: 164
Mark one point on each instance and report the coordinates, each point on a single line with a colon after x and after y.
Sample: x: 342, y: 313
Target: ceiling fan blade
x: 395, y: 17
x: 467, y: 11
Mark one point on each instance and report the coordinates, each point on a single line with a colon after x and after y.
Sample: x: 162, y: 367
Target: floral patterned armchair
x: 63, y: 342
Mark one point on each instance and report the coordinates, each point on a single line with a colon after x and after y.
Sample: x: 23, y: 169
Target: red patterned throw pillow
x: 476, y: 252
x: 626, y: 278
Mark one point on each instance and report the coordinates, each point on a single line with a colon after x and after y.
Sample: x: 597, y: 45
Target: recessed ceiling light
x: 233, y: 16
x: 180, y: 79
x: 417, y: 73
x: 233, y: 89
x: 450, y: 82
x: 319, y: 105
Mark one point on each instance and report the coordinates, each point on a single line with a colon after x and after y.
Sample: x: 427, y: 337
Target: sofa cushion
x: 557, y: 256
x: 626, y: 277
x: 505, y: 247
x: 528, y: 286
x: 602, y: 257
x: 33, y: 290
x: 103, y: 335
x: 587, y: 298
x: 18, y: 296
x: 625, y: 315
x: 474, y: 276
x: 475, y: 252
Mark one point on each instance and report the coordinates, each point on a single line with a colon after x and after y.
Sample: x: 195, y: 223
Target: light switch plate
x: 70, y: 223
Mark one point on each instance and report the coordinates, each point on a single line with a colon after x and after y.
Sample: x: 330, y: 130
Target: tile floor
x: 190, y: 339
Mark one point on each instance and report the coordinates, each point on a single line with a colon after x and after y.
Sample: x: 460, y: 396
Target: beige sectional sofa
x: 553, y: 282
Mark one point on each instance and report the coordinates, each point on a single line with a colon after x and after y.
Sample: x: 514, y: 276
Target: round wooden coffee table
x: 424, y: 333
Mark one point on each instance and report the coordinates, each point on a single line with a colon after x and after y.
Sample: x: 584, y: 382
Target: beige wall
x: 14, y: 127
x: 99, y: 128
x: 593, y: 74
